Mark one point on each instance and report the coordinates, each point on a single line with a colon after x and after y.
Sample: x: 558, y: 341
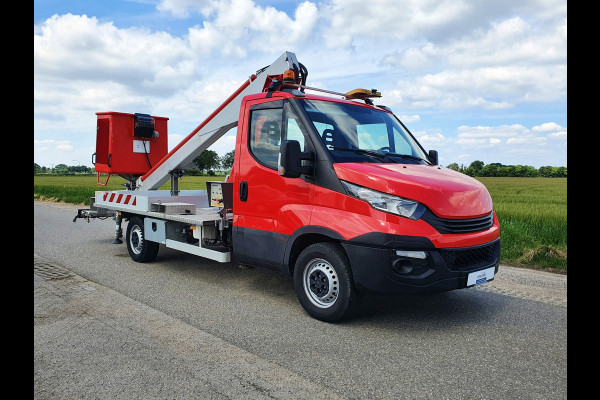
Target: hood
x: 447, y: 193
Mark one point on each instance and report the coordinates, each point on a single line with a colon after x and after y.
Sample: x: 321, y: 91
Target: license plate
x: 479, y: 277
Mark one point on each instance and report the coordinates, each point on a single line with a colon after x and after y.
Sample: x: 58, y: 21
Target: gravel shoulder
x: 530, y: 284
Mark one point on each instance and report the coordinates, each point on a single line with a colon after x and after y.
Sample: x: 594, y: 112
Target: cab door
x: 268, y: 208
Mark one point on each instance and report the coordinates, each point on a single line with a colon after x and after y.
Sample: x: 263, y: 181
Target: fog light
x: 403, y: 266
x: 412, y: 254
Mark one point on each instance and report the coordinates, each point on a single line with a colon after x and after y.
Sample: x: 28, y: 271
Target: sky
x: 474, y: 79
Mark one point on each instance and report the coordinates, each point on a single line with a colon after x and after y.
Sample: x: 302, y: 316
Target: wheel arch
x: 304, y: 237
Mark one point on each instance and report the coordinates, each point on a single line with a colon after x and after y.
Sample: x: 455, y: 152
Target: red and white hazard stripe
x: 118, y: 198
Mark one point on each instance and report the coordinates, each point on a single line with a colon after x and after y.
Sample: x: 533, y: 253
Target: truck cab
x: 340, y: 195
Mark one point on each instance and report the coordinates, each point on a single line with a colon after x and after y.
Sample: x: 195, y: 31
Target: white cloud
x: 553, y: 130
x: 492, y: 136
x: 414, y: 58
x: 64, y: 147
x: 351, y: 20
x: 527, y: 140
x: 73, y: 48
x: 495, y: 67
x: 430, y: 140
x: 407, y: 119
x: 558, y: 135
x: 507, y: 144
x: 512, y: 41
x: 547, y: 127
x: 49, y: 144
x: 180, y: 8
x: 240, y: 26
x: 505, y: 131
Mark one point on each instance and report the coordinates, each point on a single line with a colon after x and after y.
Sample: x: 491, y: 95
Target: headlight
x: 385, y: 202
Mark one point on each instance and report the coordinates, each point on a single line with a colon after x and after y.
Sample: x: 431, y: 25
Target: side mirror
x: 433, y: 156
x: 290, y: 159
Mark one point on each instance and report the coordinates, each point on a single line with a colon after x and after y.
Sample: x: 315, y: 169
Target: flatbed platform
x: 146, y: 202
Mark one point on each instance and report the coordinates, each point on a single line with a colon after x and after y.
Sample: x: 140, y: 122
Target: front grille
x: 448, y: 225
x: 471, y: 258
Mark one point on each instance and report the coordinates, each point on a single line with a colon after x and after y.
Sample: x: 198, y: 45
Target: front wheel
x: 323, y: 282
x: 140, y: 249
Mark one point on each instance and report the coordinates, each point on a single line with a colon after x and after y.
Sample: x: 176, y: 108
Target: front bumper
x: 376, y: 265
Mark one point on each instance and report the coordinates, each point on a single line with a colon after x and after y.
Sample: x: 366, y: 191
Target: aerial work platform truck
x: 326, y: 187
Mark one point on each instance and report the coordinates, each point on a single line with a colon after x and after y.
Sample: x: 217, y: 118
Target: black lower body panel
x: 259, y: 248
x: 382, y: 269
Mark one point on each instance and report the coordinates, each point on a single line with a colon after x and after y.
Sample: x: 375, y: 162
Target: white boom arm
x: 216, y: 125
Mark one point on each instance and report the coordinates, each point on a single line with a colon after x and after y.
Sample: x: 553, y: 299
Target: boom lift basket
x: 129, y: 144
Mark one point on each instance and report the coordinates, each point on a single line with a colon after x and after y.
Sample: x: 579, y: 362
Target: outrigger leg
x: 118, y: 229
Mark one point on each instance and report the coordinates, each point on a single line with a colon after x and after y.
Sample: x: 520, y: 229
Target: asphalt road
x: 183, y: 327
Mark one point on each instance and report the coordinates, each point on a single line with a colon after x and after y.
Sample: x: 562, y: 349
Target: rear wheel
x: 323, y: 282
x: 140, y: 249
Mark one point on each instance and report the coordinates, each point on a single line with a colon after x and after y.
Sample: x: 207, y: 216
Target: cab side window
x: 265, y: 135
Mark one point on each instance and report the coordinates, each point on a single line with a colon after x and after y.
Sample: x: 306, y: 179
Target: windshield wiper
x: 410, y: 156
x: 381, y: 156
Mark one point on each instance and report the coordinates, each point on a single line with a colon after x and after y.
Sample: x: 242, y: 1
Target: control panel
x: 220, y: 194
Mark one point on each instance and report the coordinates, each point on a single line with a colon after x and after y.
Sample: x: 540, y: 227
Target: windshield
x: 353, y: 133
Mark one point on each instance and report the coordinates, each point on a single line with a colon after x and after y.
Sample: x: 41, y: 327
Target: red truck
x: 331, y: 189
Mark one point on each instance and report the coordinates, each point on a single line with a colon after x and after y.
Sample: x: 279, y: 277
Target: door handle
x: 243, y: 191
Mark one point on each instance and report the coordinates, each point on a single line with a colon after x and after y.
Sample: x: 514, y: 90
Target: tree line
x: 62, y: 169
x: 206, y: 163
x: 209, y: 161
x: 478, y: 168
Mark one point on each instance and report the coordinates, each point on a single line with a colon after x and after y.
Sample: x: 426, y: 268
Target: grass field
x: 78, y: 189
x: 533, y: 219
x: 532, y: 211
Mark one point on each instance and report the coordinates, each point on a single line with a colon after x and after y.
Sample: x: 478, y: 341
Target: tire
x: 140, y: 249
x: 335, y: 296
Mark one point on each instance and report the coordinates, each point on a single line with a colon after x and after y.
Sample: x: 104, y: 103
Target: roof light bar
x: 362, y: 94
